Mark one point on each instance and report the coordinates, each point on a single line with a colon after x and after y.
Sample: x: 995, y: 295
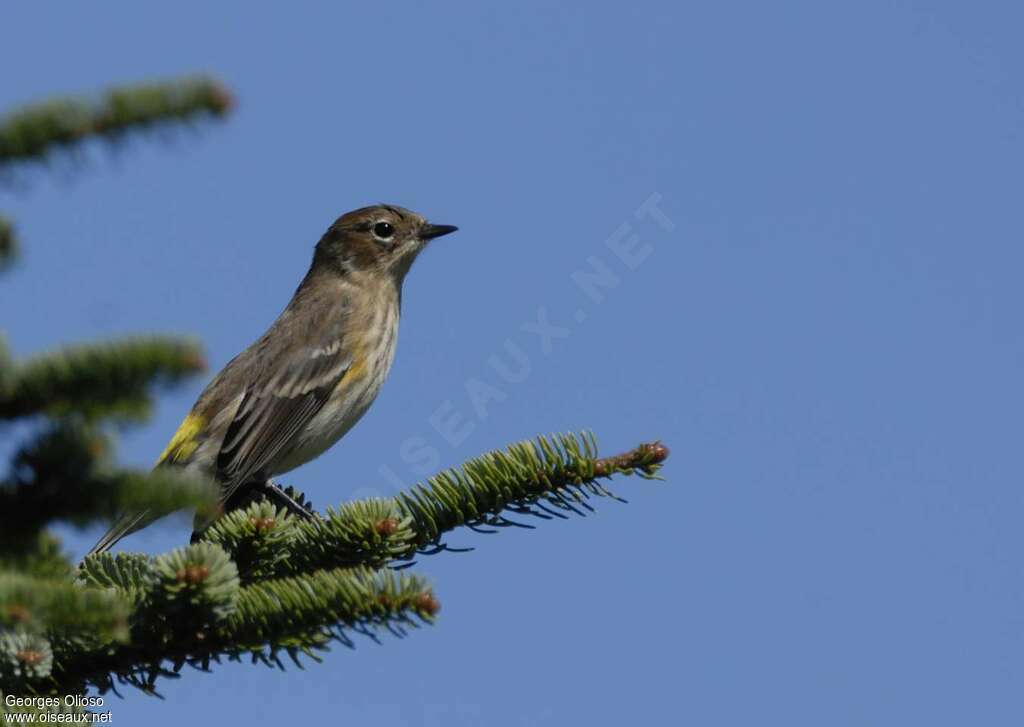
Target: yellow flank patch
x: 184, y: 441
x: 356, y: 370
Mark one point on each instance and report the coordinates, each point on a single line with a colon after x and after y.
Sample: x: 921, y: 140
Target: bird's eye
x: 383, y: 230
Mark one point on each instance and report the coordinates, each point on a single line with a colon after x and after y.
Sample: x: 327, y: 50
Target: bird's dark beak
x: 429, y: 232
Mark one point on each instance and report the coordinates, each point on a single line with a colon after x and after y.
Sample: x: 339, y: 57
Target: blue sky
x: 821, y: 326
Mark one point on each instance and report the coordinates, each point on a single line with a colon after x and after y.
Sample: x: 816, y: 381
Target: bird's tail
x: 125, y: 525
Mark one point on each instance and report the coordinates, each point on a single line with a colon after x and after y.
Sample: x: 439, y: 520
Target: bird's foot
x: 276, y: 494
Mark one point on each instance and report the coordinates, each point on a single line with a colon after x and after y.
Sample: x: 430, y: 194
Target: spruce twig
x: 191, y: 610
x: 97, y: 380
x: 265, y: 584
x: 65, y: 474
x: 32, y: 132
x: 547, y: 478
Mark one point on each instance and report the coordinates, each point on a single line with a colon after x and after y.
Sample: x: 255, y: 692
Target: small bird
x: 299, y: 388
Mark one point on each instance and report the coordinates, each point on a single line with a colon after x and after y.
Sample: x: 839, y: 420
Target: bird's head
x: 382, y: 239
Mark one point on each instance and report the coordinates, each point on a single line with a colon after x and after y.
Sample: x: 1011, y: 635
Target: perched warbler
x: 296, y: 391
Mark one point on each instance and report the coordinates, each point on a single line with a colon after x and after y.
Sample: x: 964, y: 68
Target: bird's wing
x: 276, y: 406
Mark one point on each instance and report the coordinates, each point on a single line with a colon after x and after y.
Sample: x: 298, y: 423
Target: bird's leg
x: 273, y: 492
x: 254, y: 491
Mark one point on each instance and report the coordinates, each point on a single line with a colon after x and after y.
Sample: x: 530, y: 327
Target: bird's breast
x: 373, y: 343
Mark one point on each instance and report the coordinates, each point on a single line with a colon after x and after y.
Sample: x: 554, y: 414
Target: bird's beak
x: 429, y: 232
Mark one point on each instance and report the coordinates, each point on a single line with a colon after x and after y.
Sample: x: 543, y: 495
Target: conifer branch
x: 65, y: 475
x: 60, y: 608
x: 190, y: 609
x: 548, y: 478
x: 99, y: 380
x: 34, y: 131
x: 40, y: 556
x: 303, y: 611
x: 26, y: 659
x: 265, y: 583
